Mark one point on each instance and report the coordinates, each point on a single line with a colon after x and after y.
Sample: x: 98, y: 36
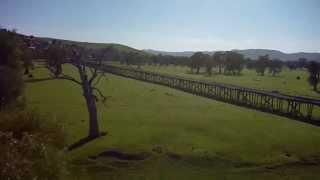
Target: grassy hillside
x: 119, y: 47
x: 184, y: 136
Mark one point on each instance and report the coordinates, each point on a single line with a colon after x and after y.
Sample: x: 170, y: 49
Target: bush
x: 31, y: 147
x: 11, y: 83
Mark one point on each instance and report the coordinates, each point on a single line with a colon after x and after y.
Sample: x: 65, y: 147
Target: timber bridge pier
x: 294, y: 107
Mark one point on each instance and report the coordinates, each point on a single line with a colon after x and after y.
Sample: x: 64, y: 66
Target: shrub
x: 11, y: 83
x: 31, y: 147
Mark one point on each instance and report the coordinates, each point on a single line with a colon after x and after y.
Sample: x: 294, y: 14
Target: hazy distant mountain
x: 250, y: 53
x: 183, y: 53
x: 255, y: 53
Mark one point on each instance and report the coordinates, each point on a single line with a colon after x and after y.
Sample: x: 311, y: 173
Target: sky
x: 172, y: 25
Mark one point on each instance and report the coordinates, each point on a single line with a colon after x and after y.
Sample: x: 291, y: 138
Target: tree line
x: 232, y: 63
x: 227, y: 62
x: 224, y: 62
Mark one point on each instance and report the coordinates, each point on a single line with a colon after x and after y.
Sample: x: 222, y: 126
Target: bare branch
x: 94, y: 74
x: 104, y: 98
x: 66, y: 77
x: 99, y: 78
x: 91, y: 70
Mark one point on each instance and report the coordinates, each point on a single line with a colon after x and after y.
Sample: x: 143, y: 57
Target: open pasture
x: 184, y: 136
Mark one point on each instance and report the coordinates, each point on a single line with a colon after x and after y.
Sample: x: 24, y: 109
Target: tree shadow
x: 117, y: 154
x: 39, y: 80
x: 195, y: 73
x: 84, y: 141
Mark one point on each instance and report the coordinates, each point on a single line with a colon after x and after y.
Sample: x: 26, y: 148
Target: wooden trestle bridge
x: 294, y: 107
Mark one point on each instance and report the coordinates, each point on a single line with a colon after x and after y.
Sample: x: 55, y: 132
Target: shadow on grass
x: 195, y: 73
x: 84, y: 141
x: 117, y: 154
x: 39, y: 80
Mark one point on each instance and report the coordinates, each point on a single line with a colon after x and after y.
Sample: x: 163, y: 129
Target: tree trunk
x: 92, y: 110
x: 93, y: 117
x: 91, y: 104
x: 26, y: 71
x: 198, y: 69
x: 58, y: 70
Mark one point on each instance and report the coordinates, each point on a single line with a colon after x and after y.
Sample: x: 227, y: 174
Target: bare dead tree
x: 89, y: 78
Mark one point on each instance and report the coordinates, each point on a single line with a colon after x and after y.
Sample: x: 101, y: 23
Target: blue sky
x: 172, y: 25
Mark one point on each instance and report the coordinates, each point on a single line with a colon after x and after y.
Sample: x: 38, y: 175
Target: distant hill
x: 255, y: 53
x: 119, y: 47
x: 250, y: 53
x: 181, y: 54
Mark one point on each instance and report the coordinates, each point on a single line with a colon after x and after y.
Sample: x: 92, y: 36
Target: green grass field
x: 194, y: 137
x: 286, y: 82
